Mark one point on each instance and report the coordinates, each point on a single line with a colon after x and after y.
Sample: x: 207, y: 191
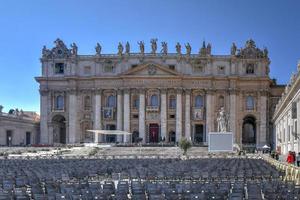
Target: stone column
x: 263, y: 120
x: 142, y: 116
x: 232, y: 115
x: 298, y: 123
x: 209, y: 113
x: 44, y: 132
x: 72, y: 109
x: 97, y: 114
x: 119, y: 114
x: 126, y: 114
x: 188, y: 114
x: 178, y: 115
x: 163, y: 114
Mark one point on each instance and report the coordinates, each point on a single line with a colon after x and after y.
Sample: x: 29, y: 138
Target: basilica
x: 157, y: 96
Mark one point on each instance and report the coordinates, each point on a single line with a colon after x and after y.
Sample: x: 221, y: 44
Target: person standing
x: 298, y: 159
x: 290, y: 158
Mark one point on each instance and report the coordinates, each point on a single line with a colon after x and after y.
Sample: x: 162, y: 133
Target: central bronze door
x: 153, y: 133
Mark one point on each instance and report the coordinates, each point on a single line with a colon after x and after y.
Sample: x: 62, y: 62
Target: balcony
x: 152, y: 108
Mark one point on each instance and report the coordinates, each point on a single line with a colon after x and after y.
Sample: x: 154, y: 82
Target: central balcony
x: 152, y: 108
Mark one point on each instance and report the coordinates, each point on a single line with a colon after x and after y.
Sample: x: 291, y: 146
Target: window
x: 221, y: 101
x: 221, y: 70
x: 199, y: 101
x: 87, y: 70
x: 154, y: 100
x: 59, y: 102
x: 108, y: 67
x: 111, y: 101
x: 59, y: 68
x: 250, y: 103
x: 172, y: 67
x: 172, y: 116
x: 172, y: 102
x: 250, y: 68
x: 295, y: 130
x: 135, y: 102
x: 135, y: 116
x: 87, y: 103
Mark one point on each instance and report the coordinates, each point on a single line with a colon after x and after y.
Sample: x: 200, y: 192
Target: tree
x: 184, y: 144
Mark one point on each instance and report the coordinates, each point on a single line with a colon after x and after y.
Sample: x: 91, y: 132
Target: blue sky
x: 28, y: 25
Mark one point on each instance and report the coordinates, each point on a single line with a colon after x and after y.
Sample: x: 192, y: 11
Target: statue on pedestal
x: 222, y: 120
x: 164, y: 48
x: 233, y: 49
x: 142, y: 47
x: 188, y: 49
x: 120, y: 49
x: 153, y: 45
x: 1, y: 108
x: 74, y: 49
x: 127, y: 48
x: 98, y: 49
x: 178, y: 48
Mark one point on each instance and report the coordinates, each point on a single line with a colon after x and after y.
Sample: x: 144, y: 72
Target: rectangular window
x: 172, y: 67
x: 172, y: 116
x: 221, y: 70
x: 87, y: 70
x: 295, y: 131
x: 135, y: 116
x: 59, y: 68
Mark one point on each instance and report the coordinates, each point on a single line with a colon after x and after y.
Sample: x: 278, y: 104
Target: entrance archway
x: 153, y: 133
x: 199, y: 133
x: 59, y: 129
x: 249, y: 130
x: 135, y: 137
x: 172, y: 137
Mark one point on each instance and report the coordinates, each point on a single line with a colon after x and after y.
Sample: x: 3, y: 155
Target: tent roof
x: 110, y: 132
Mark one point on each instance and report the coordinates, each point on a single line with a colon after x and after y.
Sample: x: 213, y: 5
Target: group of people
x: 293, y: 159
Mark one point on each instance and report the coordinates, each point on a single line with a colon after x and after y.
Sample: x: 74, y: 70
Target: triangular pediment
x: 151, y: 69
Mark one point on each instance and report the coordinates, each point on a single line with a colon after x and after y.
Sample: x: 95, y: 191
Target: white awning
x: 110, y: 132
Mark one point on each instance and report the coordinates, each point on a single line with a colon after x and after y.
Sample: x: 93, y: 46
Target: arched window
x: 87, y: 102
x: 250, y: 68
x: 111, y: 101
x: 199, y: 101
x: 154, y: 100
x: 135, y: 102
x: 250, y: 103
x: 221, y: 101
x: 59, y: 102
x: 172, y: 102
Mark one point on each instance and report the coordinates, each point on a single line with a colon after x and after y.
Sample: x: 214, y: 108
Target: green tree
x: 184, y: 144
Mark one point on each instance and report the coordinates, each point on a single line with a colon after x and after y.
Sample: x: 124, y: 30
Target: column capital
x: 126, y: 90
x: 187, y: 91
x: 44, y: 92
x: 119, y: 91
x: 163, y: 90
x: 98, y: 91
x: 142, y: 90
x: 178, y: 90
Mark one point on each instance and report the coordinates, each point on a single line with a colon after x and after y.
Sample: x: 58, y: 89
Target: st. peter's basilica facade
x: 157, y: 95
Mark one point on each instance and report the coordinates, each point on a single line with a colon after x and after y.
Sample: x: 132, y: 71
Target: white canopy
x: 266, y: 147
x: 110, y: 132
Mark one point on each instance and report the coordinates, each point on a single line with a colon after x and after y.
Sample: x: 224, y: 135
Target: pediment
x: 151, y: 69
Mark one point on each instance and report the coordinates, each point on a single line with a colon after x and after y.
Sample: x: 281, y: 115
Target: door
x: 8, y: 137
x: 28, y: 138
x: 198, y: 137
x: 153, y: 133
x: 111, y: 138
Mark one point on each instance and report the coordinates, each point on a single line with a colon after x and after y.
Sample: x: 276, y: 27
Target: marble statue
x: 153, y: 46
x: 164, y: 48
x: 45, y: 52
x: 265, y: 52
x: 74, y: 49
x: 98, y: 49
x: 222, y: 120
x: 208, y: 49
x: 1, y: 108
x: 188, y: 49
x: 120, y: 49
x: 142, y: 47
x: 127, y: 48
x: 178, y: 48
x: 233, y: 49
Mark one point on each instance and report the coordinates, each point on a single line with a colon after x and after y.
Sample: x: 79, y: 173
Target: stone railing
x: 20, y: 116
x: 292, y: 172
x: 152, y: 108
